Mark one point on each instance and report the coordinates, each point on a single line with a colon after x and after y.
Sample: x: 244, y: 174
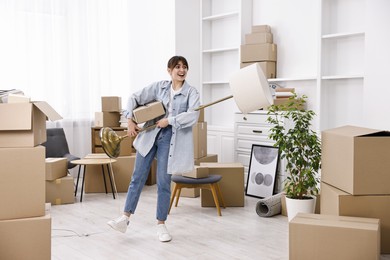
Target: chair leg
x: 172, y: 197
x: 178, y: 194
x: 213, y: 190
x: 220, y: 195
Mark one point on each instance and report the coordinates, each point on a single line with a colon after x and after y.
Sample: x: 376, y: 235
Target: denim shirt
x: 181, y: 153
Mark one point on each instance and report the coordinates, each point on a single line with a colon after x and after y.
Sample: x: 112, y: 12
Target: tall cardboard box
x: 313, y: 236
x: 60, y: 191
x: 337, y: 202
x: 22, y: 182
x: 55, y: 168
x: 231, y: 184
x: 356, y: 160
x: 24, y: 124
x: 199, y: 131
x: 26, y: 238
x: 111, y: 104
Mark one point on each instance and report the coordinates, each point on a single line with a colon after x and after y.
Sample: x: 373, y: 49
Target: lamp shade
x: 250, y: 89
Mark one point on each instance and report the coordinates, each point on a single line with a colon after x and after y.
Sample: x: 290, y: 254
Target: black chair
x: 57, y: 146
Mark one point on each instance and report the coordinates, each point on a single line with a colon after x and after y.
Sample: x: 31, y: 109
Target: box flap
x: 47, y: 110
x: 352, y: 131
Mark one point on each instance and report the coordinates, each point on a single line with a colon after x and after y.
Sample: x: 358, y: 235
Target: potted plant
x: 300, y: 146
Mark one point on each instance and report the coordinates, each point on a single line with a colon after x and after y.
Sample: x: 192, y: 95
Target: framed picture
x: 263, y: 166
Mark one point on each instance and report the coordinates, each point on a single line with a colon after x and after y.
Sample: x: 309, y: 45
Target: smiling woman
x: 70, y: 53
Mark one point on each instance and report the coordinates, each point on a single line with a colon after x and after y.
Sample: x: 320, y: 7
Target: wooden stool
x: 94, y: 161
x: 210, y: 183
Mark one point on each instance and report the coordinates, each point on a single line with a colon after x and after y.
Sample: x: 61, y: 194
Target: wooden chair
x: 210, y: 183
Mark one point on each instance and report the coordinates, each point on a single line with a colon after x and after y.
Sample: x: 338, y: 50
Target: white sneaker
x: 163, y: 234
x: 120, y: 224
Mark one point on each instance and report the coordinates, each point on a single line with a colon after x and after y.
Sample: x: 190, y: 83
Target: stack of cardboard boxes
x: 259, y: 48
x: 25, y: 226
x: 111, y: 112
x: 355, y: 176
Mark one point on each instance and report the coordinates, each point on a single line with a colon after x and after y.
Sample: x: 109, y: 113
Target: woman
x: 171, y: 141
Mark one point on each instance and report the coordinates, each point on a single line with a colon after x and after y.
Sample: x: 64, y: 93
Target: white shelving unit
x: 223, y: 27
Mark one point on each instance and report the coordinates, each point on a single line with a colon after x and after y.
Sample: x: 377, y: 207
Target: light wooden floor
x: 79, y: 231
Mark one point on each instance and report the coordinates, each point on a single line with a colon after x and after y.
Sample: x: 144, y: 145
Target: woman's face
x: 179, y: 72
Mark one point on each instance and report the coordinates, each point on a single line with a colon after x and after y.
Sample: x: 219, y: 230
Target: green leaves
x: 298, y: 144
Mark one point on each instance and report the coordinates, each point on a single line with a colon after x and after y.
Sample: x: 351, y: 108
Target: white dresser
x: 250, y: 129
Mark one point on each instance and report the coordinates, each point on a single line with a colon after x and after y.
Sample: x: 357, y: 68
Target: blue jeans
x: 142, y: 166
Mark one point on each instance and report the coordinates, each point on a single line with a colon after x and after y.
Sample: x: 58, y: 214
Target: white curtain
x: 71, y: 52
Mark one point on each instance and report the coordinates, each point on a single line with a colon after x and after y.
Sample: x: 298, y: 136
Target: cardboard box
x: 18, y: 98
x: 201, y: 115
x: 148, y: 112
x: 258, y: 37
x: 110, y: 119
x: 337, y: 202
x: 356, y: 160
x: 22, y: 182
x: 313, y: 236
x: 198, y: 172
x: 258, y: 52
x: 111, y: 104
x: 55, y: 168
x: 24, y: 124
x: 126, y: 145
x: 268, y: 68
x: 60, y: 191
x: 26, y: 238
x: 199, y: 131
x: 231, y: 184
x: 263, y: 28
x: 207, y: 158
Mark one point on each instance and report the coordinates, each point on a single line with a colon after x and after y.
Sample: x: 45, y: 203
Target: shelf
x: 343, y: 77
x: 292, y: 79
x: 215, y: 82
x: 220, y: 16
x: 342, y: 35
x: 221, y: 50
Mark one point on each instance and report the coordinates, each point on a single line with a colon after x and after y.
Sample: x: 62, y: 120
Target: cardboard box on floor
x: 110, y: 119
x: 199, y: 131
x: 60, y: 191
x: 24, y: 124
x: 337, y: 202
x: 111, y: 104
x: 55, y: 168
x: 356, y: 160
x: 313, y: 236
x: 148, y: 112
x: 123, y: 171
x: 22, y: 182
x: 26, y: 238
x: 231, y: 184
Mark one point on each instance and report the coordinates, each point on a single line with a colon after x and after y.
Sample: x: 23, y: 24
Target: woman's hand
x: 162, y: 123
x: 132, y: 128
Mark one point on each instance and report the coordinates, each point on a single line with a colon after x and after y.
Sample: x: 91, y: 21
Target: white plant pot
x: 305, y: 206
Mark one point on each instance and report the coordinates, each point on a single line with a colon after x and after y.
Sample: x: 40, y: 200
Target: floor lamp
x: 250, y: 90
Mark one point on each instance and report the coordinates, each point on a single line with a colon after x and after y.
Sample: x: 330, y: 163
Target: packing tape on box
x: 270, y: 206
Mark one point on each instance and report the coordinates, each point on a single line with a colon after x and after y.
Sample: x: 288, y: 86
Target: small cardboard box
x: 198, y: 172
x: 24, y: 124
x: 231, y: 184
x: 258, y: 52
x: 337, y: 202
x: 111, y: 104
x: 60, y: 191
x: 207, y: 158
x: 258, y: 37
x: 26, y: 238
x: 268, y: 68
x: 55, y: 168
x: 148, y: 112
x: 110, y: 119
x: 199, y: 131
x: 22, y: 182
x: 313, y: 236
x: 262, y: 28
x: 356, y: 160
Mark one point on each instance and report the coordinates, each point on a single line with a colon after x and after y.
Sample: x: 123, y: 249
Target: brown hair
x: 175, y: 60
